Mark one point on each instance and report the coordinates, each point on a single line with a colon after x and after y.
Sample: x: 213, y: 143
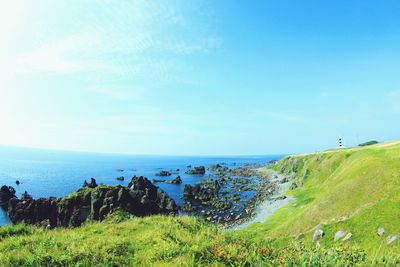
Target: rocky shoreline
x: 265, y: 207
x: 228, y: 196
x: 91, y: 202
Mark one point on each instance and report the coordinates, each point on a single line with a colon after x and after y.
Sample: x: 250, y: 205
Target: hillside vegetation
x: 356, y: 190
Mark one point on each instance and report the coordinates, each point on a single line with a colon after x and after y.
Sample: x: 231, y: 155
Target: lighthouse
x: 340, y: 142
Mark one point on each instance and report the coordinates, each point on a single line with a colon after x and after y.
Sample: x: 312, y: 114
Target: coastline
x: 271, y: 204
x: 225, y: 193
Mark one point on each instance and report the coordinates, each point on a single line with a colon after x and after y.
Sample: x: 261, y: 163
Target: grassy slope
x: 155, y: 241
x: 354, y: 189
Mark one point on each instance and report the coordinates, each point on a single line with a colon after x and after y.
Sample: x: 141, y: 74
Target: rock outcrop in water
x: 92, y: 183
x: 6, y: 193
x: 177, y: 180
x: 140, y: 198
x: 218, y: 168
x: 197, y: 170
x: 163, y: 173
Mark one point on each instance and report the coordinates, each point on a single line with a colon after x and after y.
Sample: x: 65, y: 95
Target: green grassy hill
x: 357, y: 190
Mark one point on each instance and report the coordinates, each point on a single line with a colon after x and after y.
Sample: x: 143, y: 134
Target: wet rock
x: 17, y: 182
x: 381, y: 231
x: 339, y: 235
x: 163, y: 173
x: 92, y: 183
x: 122, y: 178
x: 197, y: 170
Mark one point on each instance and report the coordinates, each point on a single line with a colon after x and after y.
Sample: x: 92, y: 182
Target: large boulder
x: 218, y: 168
x: 92, y: 183
x: 33, y: 211
x: 199, y: 192
x: 6, y: 193
x: 197, y: 170
x: 318, y: 234
x: 381, y: 231
x: 339, y: 235
x: 177, y: 180
x: 163, y: 173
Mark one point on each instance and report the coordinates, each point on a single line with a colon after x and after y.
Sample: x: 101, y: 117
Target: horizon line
x: 133, y: 154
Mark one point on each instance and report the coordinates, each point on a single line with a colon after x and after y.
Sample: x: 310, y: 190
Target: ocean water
x: 45, y: 173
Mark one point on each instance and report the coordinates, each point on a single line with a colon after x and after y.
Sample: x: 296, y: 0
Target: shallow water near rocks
x: 45, y: 173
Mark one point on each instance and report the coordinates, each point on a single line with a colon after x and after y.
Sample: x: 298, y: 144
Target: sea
x: 45, y: 173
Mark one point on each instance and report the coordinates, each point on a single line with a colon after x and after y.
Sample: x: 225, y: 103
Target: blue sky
x: 198, y: 77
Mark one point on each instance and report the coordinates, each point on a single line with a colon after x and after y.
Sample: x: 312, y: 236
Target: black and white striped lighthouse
x: 340, y: 142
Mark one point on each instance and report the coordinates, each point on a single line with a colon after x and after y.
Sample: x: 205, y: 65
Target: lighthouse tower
x: 341, y: 142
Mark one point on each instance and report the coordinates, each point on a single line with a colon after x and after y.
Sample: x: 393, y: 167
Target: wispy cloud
x: 138, y: 38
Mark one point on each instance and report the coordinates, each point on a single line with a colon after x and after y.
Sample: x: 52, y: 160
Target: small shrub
x: 369, y: 143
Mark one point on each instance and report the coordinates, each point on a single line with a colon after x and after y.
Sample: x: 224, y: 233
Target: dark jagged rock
x: 6, y: 193
x: 197, y: 170
x: 177, y: 180
x: 199, y: 192
x: 26, y: 196
x: 92, y: 183
x: 33, y: 211
x: 218, y: 168
x: 141, y: 198
x: 243, y: 172
x: 163, y: 173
